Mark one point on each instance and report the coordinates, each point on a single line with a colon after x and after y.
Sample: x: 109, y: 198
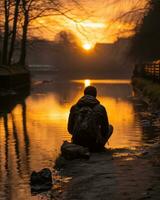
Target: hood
x: 87, y: 100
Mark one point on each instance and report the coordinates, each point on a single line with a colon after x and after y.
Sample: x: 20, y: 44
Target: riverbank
x: 148, y: 91
x: 13, y: 78
x: 119, y: 174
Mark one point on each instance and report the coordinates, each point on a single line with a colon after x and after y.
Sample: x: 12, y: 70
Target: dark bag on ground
x: 72, y: 151
x: 86, y: 129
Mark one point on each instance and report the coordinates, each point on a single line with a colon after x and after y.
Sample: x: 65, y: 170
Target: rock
x: 60, y: 163
x: 41, y: 181
x: 72, y: 151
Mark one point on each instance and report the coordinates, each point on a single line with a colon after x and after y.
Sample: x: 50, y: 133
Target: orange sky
x: 94, y: 21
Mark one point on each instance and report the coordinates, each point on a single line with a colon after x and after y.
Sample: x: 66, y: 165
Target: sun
x: 87, y: 46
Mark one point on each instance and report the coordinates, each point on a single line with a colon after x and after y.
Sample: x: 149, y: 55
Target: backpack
x: 85, y: 129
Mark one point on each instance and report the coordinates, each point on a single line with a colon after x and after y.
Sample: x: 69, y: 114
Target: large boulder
x: 72, y: 151
x: 41, y: 181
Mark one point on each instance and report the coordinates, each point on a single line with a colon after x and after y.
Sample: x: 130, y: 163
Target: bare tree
x: 33, y: 9
x: 16, y: 19
x: 7, y: 5
x: 14, y: 29
x: 133, y: 15
x: 26, y: 5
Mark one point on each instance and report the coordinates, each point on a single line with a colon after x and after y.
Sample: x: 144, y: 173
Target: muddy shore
x: 115, y: 174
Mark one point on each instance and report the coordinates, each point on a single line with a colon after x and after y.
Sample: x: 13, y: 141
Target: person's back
x: 88, y: 121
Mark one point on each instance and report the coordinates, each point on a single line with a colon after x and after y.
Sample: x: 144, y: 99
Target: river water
x: 32, y: 131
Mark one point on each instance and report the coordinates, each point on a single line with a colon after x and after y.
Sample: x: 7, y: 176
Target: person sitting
x: 88, y: 121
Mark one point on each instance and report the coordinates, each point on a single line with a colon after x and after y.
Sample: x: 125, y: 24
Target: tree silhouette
x: 146, y: 42
x: 15, y: 21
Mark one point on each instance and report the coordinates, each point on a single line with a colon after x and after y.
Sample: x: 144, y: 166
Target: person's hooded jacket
x: 101, y: 114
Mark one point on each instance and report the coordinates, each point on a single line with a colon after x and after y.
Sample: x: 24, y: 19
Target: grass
x: 149, y: 89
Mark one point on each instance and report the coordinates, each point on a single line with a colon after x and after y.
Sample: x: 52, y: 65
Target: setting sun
x: 87, y: 46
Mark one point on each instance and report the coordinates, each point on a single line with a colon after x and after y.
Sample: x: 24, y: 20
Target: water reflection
x: 13, y: 166
x: 149, y: 123
x: 33, y: 129
x: 87, y: 82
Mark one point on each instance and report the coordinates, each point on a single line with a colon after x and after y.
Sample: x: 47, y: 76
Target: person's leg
x: 110, y: 131
x: 105, y: 139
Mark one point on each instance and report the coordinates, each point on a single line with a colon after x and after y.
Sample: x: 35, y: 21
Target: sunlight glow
x: 102, y: 23
x: 87, y: 46
x: 87, y: 82
x: 93, y: 25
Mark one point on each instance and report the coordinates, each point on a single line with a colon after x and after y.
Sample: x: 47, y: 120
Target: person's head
x: 90, y: 90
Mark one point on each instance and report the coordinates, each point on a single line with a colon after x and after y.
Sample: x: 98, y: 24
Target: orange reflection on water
x: 47, y: 125
x: 121, y: 116
x: 103, y: 81
x: 87, y: 82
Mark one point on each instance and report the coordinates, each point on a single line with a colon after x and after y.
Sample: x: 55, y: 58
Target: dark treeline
x: 146, y: 42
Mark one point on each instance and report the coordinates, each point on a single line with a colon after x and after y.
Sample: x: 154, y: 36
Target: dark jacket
x: 100, y: 110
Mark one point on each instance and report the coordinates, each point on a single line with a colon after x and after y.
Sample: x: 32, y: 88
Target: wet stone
x: 41, y: 181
